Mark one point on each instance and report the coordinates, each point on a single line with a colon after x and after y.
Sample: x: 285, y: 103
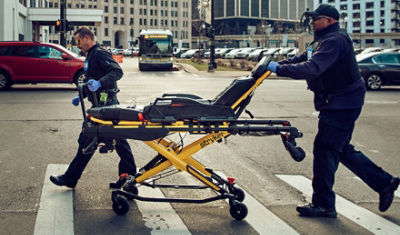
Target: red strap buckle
x: 141, y: 117
x: 231, y: 180
x: 123, y: 175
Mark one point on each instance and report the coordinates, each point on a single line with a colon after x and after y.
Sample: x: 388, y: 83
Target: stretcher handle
x: 288, y: 139
x: 80, y: 91
x: 297, y: 153
x: 81, y: 98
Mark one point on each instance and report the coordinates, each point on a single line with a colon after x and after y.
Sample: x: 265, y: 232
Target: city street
x: 39, y: 130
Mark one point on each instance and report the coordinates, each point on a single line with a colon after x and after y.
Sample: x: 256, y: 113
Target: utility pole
x: 212, y: 65
x: 63, y: 28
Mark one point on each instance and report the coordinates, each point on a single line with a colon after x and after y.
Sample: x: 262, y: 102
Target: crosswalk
x: 161, y: 218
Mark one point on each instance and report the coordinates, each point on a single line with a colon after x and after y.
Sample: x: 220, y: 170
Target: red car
x: 38, y: 62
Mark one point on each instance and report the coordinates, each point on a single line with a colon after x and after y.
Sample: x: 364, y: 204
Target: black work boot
x: 312, y: 210
x: 63, y: 180
x: 387, y: 194
x: 121, y: 181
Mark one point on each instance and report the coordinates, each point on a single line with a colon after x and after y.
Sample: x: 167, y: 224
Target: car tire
x: 4, y: 80
x: 79, y: 76
x: 373, y: 81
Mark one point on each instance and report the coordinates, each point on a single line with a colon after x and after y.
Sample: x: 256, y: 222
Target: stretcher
x: 214, y: 120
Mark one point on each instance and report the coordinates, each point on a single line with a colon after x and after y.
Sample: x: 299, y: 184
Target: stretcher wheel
x: 239, y: 193
x: 120, y: 206
x: 238, y: 210
x: 131, y: 188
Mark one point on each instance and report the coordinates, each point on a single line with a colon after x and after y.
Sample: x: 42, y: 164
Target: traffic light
x: 58, y: 25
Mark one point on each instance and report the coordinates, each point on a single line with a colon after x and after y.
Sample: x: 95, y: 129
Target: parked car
x: 391, y: 50
x: 371, y: 49
x: 191, y: 53
x: 257, y: 54
x: 179, y: 51
x: 232, y: 54
x: 272, y: 52
x: 379, y: 68
x: 37, y: 62
x: 285, y: 51
x: 293, y: 53
x: 130, y: 51
x: 244, y: 53
x: 116, y: 51
x: 222, y: 52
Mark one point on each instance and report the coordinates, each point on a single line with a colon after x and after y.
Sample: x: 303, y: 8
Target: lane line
x: 160, y: 217
x: 262, y: 219
x: 359, y: 215
x: 55, y: 215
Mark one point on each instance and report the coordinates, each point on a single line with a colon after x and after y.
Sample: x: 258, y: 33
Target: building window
x: 115, y: 20
x: 115, y: 10
x: 131, y: 11
x: 255, y: 11
x: 122, y: 20
x: 369, y: 14
x: 369, y: 5
x: 106, y: 19
x: 106, y: 9
x: 105, y: 32
x: 122, y: 10
x: 356, y: 6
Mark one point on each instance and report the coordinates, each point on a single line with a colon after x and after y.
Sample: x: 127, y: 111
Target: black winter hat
x: 324, y: 9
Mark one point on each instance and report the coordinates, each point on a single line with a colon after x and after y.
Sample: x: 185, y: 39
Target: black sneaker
x: 121, y: 181
x: 312, y: 210
x: 63, y: 180
x: 386, y: 196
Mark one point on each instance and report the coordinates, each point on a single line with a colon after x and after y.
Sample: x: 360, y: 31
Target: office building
x: 258, y: 23
x: 371, y: 22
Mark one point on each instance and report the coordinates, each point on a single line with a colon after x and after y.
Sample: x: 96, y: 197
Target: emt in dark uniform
x: 331, y: 71
x: 102, y: 74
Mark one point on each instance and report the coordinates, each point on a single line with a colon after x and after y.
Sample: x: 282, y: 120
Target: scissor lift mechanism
x: 185, y: 113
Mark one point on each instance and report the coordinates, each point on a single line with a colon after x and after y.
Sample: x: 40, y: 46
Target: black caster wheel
x: 238, y: 211
x: 120, y: 206
x: 131, y: 188
x: 239, y: 193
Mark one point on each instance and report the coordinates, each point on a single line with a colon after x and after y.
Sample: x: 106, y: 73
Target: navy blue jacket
x: 100, y: 66
x: 331, y: 71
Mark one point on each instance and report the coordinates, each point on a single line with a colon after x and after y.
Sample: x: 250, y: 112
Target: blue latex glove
x: 75, y: 100
x: 93, y: 85
x: 272, y: 66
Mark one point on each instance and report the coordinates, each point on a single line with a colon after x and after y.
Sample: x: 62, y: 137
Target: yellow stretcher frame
x: 170, y: 154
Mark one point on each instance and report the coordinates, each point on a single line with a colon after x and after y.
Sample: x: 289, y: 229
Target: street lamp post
x: 212, y: 65
x: 63, y: 13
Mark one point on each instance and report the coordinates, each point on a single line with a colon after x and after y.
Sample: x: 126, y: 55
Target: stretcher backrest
x: 234, y: 91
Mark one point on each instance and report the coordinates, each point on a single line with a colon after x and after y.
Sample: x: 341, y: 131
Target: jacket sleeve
x: 322, y: 59
x: 294, y: 60
x: 113, y: 71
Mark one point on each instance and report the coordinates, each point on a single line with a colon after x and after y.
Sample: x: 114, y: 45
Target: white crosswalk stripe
x: 262, y: 219
x: 55, y: 214
x: 161, y: 219
x: 361, y: 216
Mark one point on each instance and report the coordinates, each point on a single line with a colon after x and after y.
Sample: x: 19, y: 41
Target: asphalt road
x: 39, y: 127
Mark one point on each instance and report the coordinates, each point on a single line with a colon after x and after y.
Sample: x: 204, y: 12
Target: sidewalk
x: 190, y: 69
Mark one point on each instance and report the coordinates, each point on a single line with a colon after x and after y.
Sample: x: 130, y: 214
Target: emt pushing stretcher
x: 176, y: 113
